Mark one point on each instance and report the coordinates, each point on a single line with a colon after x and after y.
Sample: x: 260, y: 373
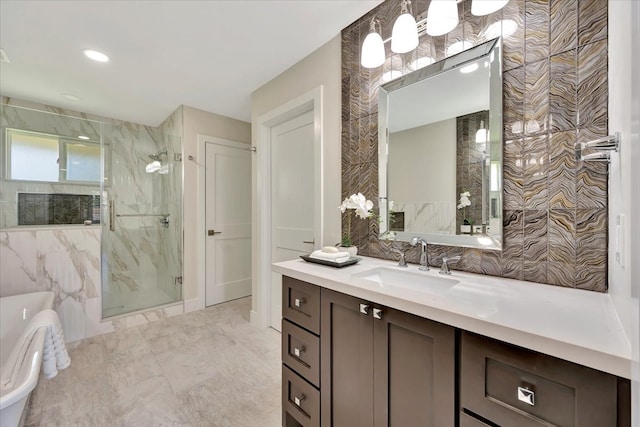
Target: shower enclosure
x: 142, y: 228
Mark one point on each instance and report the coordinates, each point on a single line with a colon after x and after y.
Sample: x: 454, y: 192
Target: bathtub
x: 15, y: 313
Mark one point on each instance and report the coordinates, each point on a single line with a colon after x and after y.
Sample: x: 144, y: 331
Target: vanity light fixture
x: 485, y: 7
x: 404, y: 36
x: 481, y: 134
x: 505, y: 28
x: 420, y: 62
x: 469, y: 68
x: 458, y: 47
x: 442, y: 17
x: 95, y: 55
x: 372, y: 48
x: 390, y: 75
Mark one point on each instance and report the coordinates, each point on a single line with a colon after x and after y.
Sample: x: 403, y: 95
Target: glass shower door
x: 142, y: 230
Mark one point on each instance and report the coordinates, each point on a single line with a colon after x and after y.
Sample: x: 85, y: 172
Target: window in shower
x: 58, y: 159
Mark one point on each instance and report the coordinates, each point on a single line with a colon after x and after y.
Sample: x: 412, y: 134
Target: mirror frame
x: 493, y: 51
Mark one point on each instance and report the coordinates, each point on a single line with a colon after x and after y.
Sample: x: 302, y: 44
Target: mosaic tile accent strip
x: 47, y: 209
x: 554, y: 94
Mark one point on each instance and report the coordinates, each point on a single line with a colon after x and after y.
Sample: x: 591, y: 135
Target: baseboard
x: 255, y: 320
x: 192, y: 304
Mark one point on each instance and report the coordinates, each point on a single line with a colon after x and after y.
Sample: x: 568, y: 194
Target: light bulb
x: 404, y: 36
x: 442, y: 17
x: 485, y: 7
x: 372, y: 49
x: 481, y: 134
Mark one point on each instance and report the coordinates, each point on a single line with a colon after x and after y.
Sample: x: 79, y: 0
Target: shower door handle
x: 112, y: 216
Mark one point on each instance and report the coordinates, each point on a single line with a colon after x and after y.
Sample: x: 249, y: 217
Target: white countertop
x: 575, y: 325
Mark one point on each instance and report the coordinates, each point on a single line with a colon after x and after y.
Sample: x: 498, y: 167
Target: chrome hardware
x: 298, y: 400
x: 377, y: 313
x: 527, y: 396
x: 164, y: 221
x: 424, y: 253
x: 444, y: 269
x: 402, y: 262
x: 364, y: 308
x: 213, y: 232
x: 112, y: 216
x: 602, y: 146
x: 297, y: 351
x: 299, y: 301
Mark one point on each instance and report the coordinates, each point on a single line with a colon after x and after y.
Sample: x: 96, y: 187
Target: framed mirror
x: 440, y: 151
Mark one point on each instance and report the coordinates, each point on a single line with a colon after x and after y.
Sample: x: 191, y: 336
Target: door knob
x: 364, y: 308
x: 377, y: 313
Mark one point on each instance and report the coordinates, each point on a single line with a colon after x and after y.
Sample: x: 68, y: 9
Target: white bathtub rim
x: 27, y: 386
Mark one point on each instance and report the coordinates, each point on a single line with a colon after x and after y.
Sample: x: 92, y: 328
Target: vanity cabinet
x: 383, y: 367
x: 505, y: 385
x: 348, y: 362
x: 300, y: 353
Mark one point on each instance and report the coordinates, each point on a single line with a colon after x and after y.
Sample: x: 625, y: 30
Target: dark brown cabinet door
x: 384, y: 368
x: 414, y: 371
x: 346, y: 342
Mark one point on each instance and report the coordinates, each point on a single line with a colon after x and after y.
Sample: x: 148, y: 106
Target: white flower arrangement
x: 465, y: 200
x: 362, y: 206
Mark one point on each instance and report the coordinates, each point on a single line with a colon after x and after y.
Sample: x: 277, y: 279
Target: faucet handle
x: 402, y: 262
x: 444, y: 269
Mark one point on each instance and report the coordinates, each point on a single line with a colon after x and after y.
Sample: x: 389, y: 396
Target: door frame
x: 199, y: 303
x: 261, y: 269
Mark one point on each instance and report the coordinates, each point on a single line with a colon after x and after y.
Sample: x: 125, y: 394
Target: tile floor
x: 205, y: 368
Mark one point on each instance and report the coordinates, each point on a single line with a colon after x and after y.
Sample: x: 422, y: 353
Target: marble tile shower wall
x: 55, y: 122
x: 67, y: 259
x: 554, y: 76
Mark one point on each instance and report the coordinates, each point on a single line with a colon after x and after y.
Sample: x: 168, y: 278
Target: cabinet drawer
x: 469, y: 421
x: 300, y: 400
x: 301, y: 303
x: 510, y: 385
x: 301, y: 352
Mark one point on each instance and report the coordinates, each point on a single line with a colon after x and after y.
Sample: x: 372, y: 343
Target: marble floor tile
x: 204, y: 368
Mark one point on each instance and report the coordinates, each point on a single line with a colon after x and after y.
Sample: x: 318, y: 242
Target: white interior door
x: 292, y: 198
x: 228, y: 222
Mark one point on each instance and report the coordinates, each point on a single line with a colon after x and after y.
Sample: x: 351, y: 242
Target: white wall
x: 196, y: 122
x: 624, y: 190
x: 420, y: 152
x: 320, y: 68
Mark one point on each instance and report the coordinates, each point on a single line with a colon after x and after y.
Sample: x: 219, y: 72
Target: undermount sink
x: 387, y: 277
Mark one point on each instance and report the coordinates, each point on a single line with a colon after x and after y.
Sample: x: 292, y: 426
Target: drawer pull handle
x: 364, y: 308
x: 298, y: 400
x: 297, y: 351
x: 527, y: 396
x: 377, y: 313
x: 299, y: 301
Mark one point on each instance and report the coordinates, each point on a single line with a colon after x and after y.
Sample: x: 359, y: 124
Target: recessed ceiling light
x: 83, y: 137
x: 95, y: 55
x: 70, y: 97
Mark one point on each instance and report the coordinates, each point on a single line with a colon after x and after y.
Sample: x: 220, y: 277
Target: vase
x: 465, y: 229
x: 353, y: 250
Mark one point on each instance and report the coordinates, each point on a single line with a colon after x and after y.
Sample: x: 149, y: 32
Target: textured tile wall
x: 45, y: 209
x: 554, y: 94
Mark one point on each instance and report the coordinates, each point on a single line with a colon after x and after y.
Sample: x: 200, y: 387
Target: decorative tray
x: 350, y: 261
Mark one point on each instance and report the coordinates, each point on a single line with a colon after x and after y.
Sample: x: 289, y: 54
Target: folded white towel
x: 54, y: 353
x: 333, y: 257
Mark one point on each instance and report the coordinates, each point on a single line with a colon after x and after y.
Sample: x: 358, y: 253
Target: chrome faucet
x: 445, y: 264
x: 424, y: 254
x: 402, y: 262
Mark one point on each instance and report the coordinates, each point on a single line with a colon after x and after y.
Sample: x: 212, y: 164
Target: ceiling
x: 209, y: 55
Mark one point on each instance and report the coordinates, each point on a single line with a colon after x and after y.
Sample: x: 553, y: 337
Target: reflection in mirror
x: 440, y: 151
